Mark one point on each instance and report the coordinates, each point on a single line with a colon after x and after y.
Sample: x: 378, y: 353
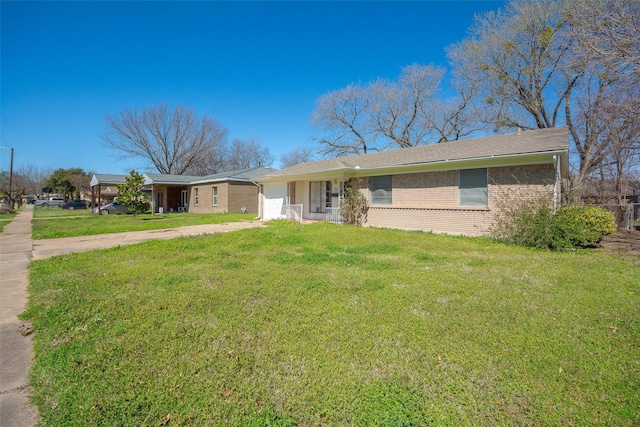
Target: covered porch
x: 169, y: 193
x: 305, y: 200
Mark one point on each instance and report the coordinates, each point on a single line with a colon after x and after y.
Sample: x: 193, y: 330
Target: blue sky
x: 257, y: 67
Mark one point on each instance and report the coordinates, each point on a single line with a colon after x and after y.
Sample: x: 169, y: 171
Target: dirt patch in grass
x: 623, y: 242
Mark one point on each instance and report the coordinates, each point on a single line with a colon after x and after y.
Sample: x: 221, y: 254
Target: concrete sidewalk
x: 16, y: 350
x: 17, y: 249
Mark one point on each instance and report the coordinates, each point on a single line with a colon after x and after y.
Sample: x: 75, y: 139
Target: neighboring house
x: 103, y: 188
x: 169, y: 193
x: 451, y: 187
x: 232, y: 191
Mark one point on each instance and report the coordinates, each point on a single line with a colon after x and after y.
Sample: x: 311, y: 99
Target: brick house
x: 451, y: 187
x: 232, y: 191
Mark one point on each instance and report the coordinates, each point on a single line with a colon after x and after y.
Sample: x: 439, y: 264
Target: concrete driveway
x: 51, y: 247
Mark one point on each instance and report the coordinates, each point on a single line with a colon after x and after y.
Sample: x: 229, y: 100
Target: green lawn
x: 6, y: 219
x: 338, y: 326
x: 55, y: 222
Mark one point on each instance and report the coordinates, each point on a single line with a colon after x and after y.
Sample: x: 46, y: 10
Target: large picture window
x: 381, y: 189
x: 318, y: 199
x: 473, y: 187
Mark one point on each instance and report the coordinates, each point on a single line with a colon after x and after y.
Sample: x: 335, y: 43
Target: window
x: 215, y: 196
x: 196, y: 196
x: 381, y: 189
x: 473, y: 187
x: 318, y: 191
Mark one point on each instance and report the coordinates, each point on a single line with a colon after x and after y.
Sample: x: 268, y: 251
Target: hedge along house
x: 233, y: 191
x: 451, y: 187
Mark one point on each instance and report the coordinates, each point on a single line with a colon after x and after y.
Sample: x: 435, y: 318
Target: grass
x: 342, y: 326
x: 56, y: 222
x: 6, y: 219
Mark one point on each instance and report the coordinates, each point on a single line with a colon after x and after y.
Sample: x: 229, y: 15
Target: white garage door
x: 274, y: 197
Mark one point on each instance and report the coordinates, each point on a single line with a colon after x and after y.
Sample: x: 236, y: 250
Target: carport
x: 103, y: 188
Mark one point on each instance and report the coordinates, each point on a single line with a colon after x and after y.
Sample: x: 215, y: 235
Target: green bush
x: 581, y: 226
x: 524, y: 221
x: 530, y: 221
x: 353, y: 206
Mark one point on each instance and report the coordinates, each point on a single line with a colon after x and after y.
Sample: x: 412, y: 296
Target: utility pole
x: 13, y: 205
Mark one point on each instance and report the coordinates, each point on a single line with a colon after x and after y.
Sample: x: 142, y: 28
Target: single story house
x: 232, y: 191
x: 451, y: 187
x: 169, y: 193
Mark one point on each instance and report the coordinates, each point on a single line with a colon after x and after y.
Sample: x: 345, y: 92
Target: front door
x: 160, y: 201
x: 184, y: 199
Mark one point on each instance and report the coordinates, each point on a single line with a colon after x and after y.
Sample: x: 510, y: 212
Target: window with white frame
x: 319, y: 196
x: 472, y: 187
x: 381, y: 189
x: 214, y: 196
x: 196, y: 196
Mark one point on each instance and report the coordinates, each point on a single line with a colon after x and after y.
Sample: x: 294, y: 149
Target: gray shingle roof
x: 107, y: 179
x: 551, y: 140
x: 161, y: 178
x: 237, y: 175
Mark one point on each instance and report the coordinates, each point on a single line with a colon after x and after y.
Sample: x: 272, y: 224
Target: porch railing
x: 292, y: 212
x: 333, y: 215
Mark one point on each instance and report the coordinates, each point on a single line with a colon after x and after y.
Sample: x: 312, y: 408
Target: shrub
x: 525, y: 221
x: 581, y: 226
x: 353, y: 206
x: 530, y: 221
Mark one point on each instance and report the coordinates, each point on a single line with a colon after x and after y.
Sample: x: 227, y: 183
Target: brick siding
x: 429, y: 201
x: 232, y: 196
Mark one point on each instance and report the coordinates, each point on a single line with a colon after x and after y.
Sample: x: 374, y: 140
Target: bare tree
x: 344, y: 118
x: 174, y: 142
x: 387, y: 114
x: 457, y: 117
x: 608, y: 29
x: 31, y: 179
x: 529, y: 63
x: 402, y: 108
x: 296, y: 156
x: 247, y: 153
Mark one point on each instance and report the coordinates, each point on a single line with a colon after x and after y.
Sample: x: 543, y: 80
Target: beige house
x: 232, y: 191
x: 451, y: 187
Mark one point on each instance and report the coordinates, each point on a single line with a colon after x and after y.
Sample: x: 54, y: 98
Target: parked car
x: 53, y: 201
x: 114, y: 208
x: 75, y: 204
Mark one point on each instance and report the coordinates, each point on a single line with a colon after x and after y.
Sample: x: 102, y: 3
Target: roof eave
x: 435, y: 166
x: 216, y: 180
